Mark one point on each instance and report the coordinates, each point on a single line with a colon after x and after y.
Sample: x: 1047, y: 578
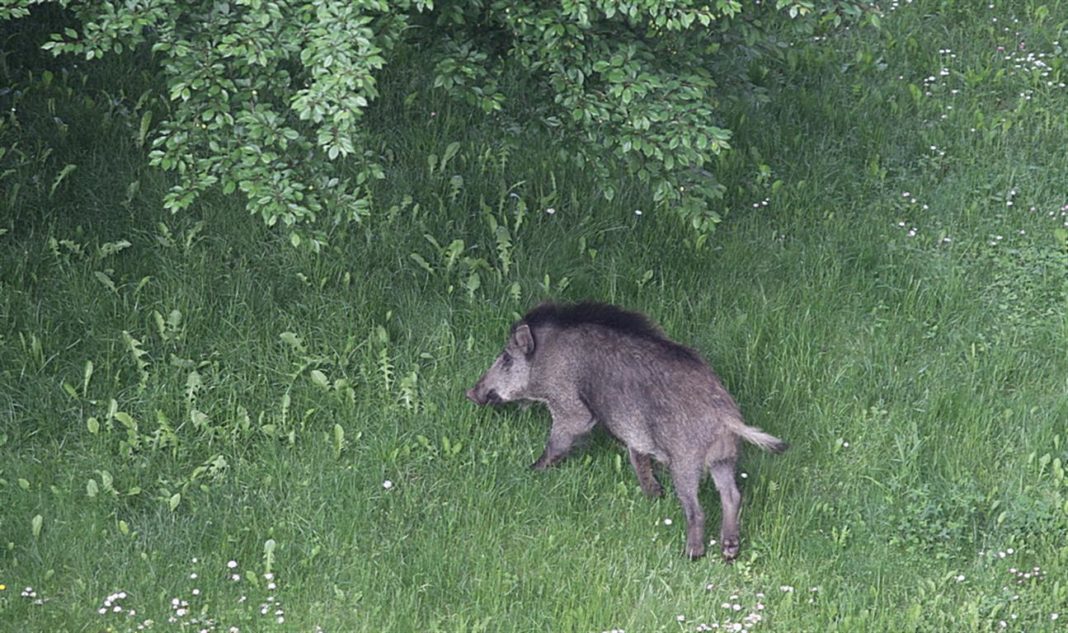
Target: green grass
x: 208, y: 394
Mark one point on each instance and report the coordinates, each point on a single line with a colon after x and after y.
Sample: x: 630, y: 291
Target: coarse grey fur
x: 590, y: 363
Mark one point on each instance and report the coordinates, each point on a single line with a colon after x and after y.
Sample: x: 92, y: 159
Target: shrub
x: 268, y: 97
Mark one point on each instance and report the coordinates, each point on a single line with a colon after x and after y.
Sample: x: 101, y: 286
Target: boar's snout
x: 473, y: 397
x: 483, y: 398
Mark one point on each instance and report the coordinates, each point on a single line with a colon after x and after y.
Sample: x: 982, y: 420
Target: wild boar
x: 594, y: 363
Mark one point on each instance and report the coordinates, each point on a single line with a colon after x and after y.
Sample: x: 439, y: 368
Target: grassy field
x: 202, y: 428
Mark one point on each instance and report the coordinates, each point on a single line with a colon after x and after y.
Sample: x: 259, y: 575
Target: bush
x: 268, y: 96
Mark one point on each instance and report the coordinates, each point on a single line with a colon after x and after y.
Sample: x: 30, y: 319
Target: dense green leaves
x: 268, y: 97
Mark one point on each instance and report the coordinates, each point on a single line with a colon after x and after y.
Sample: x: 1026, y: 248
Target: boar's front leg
x: 643, y: 468
x: 571, y: 420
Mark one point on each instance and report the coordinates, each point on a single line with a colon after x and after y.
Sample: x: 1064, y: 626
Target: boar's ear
x: 522, y: 339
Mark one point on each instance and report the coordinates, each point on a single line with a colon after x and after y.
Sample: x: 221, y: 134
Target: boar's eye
x: 506, y: 361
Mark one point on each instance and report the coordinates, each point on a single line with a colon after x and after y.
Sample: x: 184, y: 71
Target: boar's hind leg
x: 731, y: 501
x: 570, y: 422
x: 686, y: 474
x: 643, y: 467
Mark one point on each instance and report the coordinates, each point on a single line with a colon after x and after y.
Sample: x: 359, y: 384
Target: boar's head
x: 508, y: 378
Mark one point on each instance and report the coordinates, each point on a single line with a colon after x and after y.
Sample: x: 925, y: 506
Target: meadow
x: 203, y: 428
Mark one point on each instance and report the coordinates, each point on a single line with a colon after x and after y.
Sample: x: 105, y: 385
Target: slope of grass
x: 203, y: 428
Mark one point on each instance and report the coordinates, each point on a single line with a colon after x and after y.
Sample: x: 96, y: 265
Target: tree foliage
x: 268, y: 97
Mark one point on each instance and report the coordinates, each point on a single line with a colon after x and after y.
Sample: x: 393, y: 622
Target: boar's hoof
x: 729, y: 548
x: 546, y: 460
x: 695, y: 551
x: 654, y: 490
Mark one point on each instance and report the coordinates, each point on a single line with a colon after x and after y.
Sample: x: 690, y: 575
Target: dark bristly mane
x: 591, y: 313
x: 588, y: 312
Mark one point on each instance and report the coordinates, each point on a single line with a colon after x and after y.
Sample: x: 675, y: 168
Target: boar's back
x: 624, y: 322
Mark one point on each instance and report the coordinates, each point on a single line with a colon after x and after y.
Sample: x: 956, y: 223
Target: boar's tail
x: 764, y: 440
